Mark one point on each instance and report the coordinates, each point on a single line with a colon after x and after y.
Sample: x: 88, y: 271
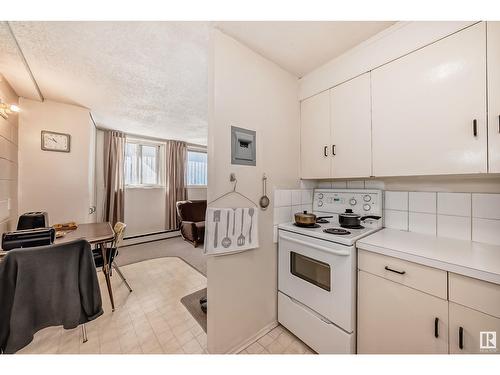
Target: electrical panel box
x: 243, y: 149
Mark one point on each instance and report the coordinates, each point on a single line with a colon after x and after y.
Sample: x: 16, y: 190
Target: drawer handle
x: 474, y: 127
x: 436, y: 327
x: 325, y: 151
x: 333, y: 150
x: 461, y: 338
x: 398, y: 272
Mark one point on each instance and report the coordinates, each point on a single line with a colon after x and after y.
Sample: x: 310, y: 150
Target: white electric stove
x: 317, y: 270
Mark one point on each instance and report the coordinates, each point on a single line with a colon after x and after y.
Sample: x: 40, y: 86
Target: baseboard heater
x: 150, y: 237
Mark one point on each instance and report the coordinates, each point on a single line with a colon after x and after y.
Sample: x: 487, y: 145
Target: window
x: 142, y: 164
x: 196, y: 168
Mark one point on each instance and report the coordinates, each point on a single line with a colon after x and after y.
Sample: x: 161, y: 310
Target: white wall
x: 197, y: 193
x: 60, y: 183
x: 248, y: 91
x: 8, y: 161
x: 145, y: 210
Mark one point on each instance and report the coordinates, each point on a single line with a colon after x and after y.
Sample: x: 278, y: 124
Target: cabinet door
x: 395, y: 319
x: 494, y: 96
x: 425, y: 106
x: 315, y: 148
x: 466, y: 326
x: 350, y: 118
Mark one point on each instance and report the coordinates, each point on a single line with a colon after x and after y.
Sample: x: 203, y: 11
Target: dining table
x: 98, y: 235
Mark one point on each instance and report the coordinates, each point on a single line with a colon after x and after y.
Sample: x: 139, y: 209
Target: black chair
x: 112, y: 253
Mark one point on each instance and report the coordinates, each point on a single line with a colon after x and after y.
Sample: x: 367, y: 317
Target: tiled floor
x: 151, y: 319
x: 278, y: 341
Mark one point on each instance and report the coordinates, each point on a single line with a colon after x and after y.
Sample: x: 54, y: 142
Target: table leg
x: 105, y: 270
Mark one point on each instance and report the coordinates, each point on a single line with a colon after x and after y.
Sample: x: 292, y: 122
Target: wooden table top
x: 92, y: 232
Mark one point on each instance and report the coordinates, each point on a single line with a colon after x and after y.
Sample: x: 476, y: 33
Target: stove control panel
x: 360, y: 201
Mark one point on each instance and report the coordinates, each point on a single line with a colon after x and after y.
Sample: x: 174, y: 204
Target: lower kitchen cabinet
x: 396, y: 319
x: 466, y: 326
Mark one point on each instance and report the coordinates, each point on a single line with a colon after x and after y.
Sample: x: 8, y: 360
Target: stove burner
x: 322, y: 221
x: 307, y: 226
x: 336, y: 231
x: 353, y: 226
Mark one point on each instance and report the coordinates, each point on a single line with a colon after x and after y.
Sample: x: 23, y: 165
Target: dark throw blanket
x: 46, y: 286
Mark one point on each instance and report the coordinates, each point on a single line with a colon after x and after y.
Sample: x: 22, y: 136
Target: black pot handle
x: 370, y: 217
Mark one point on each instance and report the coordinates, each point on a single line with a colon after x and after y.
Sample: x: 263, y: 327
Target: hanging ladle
x: 264, y: 200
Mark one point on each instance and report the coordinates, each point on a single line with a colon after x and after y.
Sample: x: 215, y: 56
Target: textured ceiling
x: 302, y: 46
x: 151, y: 78
x: 146, y: 78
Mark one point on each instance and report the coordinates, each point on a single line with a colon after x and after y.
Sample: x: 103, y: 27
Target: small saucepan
x: 351, y: 220
x: 307, y: 219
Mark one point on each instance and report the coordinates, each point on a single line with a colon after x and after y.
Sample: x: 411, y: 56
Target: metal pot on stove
x: 307, y: 219
x: 348, y: 219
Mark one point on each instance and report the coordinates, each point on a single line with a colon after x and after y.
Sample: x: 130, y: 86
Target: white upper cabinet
x: 315, y: 147
x: 350, y: 118
x: 429, y: 109
x: 494, y: 96
x: 336, y: 131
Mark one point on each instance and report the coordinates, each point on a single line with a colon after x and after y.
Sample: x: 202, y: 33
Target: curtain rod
x: 155, y: 139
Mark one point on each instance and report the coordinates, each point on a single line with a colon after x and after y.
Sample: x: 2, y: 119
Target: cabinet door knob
x: 333, y: 150
x: 398, y: 272
x: 474, y: 127
x: 436, y: 327
x: 325, y: 151
x: 461, y: 338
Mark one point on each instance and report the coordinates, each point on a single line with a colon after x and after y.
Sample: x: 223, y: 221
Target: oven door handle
x: 317, y: 247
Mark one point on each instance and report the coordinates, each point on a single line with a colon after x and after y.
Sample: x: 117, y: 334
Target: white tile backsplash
x: 465, y: 216
x: 356, y: 184
x: 285, y: 198
x: 306, y: 196
x: 374, y: 184
x: 284, y: 215
x: 458, y: 204
x: 422, y: 223
x: 396, y: 219
x: 486, y: 206
x: 396, y: 200
x: 422, y: 202
x: 486, y: 230
x: 296, y: 197
x: 339, y: 185
x: 458, y: 227
x: 325, y: 184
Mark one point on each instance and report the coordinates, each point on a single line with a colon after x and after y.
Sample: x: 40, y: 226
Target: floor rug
x: 192, y: 303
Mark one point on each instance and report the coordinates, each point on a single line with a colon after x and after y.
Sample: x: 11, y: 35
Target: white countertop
x: 474, y: 259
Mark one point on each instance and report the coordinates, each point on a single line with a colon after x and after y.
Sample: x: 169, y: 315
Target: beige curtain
x: 114, y: 181
x: 176, y: 154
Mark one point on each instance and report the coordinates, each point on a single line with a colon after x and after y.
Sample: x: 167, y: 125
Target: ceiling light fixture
x: 7, y: 109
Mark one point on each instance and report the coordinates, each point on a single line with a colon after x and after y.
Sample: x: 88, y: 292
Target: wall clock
x: 52, y: 141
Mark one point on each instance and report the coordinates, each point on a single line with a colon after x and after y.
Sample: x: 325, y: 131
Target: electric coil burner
x: 307, y: 226
x: 322, y: 221
x: 337, y: 231
x: 353, y: 227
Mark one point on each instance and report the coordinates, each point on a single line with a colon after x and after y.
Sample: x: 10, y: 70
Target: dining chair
x: 112, y: 252
x: 59, y: 281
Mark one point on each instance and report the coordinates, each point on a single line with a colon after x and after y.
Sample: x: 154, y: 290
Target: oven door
x: 320, y: 274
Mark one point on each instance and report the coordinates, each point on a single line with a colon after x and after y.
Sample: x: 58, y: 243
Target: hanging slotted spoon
x: 226, y: 241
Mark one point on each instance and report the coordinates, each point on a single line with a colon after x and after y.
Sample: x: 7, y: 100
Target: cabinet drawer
x: 423, y: 278
x: 477, y: 294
